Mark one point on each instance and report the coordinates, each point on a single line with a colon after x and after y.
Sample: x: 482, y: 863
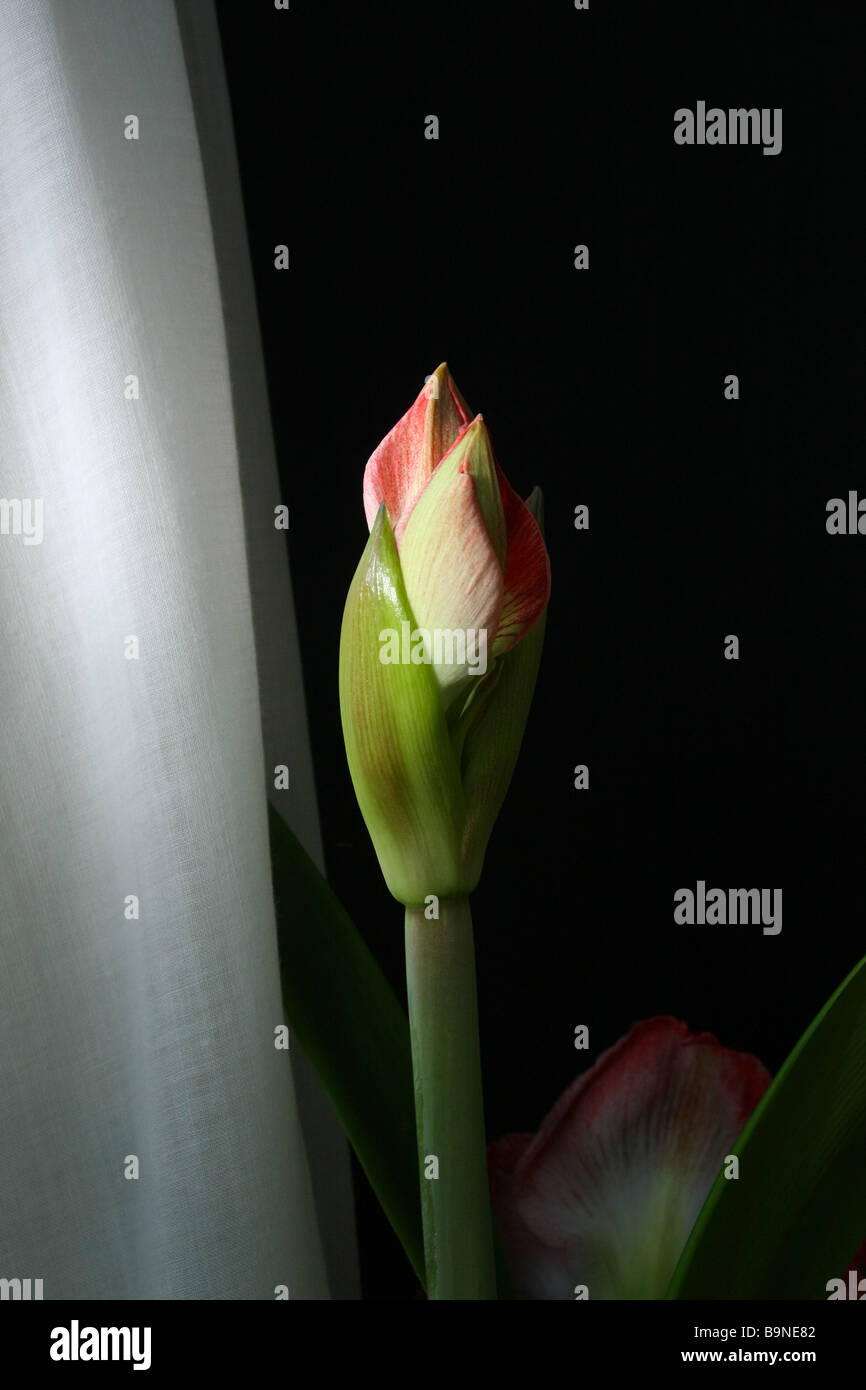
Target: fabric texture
x: 129, y: 775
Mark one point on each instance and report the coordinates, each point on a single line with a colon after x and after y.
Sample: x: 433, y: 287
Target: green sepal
x: 404, y: 768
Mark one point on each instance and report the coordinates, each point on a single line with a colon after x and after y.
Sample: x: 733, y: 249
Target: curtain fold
x: 150, y: 1145
x: 284, y: 723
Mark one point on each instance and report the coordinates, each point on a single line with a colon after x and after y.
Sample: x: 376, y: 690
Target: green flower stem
x: 449, y: 1112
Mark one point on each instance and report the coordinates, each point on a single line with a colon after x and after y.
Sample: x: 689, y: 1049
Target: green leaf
x: 797, y: 1213
x: 352, y: 1028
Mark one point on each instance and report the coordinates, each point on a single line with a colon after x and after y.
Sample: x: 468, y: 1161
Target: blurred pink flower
x: 606, y: 1193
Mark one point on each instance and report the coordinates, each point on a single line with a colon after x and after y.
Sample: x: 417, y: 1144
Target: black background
x: 605, y: 387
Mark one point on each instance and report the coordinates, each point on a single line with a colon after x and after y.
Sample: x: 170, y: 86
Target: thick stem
x: 449, y: 1112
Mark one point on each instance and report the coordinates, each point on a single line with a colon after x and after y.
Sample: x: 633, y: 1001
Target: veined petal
x: 616, y: 1176
x: 403, y: 765
x: 478, y: 463
x: 531, y: 1263
x: 453, y: 577
x: 527, y: 570
x: 494, y: 733
x: 399, y: 469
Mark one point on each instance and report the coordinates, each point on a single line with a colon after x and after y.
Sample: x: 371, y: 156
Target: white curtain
x: 142, y: 775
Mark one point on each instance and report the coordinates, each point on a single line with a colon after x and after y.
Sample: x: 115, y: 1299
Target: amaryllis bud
x: 440, y: 645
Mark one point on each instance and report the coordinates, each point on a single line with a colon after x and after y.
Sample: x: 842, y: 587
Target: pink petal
x: 527, y: 570
x: 453, y: 577
x: 618, y: 1172
x: 399, y: 469
x: 532, y: 1264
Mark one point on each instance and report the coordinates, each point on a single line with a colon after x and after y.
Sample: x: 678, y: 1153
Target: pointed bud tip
x: 381, y: 527
x: 535, y: 506
x: 475, y: 445
x: 437, y: 378
x: 475, y: 426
